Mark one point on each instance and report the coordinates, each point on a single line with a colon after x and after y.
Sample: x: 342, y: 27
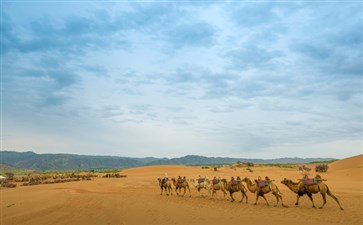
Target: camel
x: 179, y: 185
x: 165, y: 185
x: 237, y: 187
x: 201, y: 183
x: 252, y: 187
x: 300, y: 189
x: 221, y: 185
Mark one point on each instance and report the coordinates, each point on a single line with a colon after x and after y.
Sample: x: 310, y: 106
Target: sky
x: 250, y: 79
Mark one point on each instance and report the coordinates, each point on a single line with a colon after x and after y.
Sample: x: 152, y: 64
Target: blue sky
x: 167, y: 79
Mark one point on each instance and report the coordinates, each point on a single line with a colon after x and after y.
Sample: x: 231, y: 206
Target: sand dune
x: 348, y: 163
x: 136, y: 200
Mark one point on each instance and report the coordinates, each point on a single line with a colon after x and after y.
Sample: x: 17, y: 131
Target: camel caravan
x: 259, y: 187
x: 10, y: 180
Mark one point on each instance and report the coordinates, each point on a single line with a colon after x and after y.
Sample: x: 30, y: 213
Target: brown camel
x: 165, y: 185
x: 238, y: 186
x: 261, y: 191
x: 179, y: 185
x: 300, y: 189
x: 221, y: 185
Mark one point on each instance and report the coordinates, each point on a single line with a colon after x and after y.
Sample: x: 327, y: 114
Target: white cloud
x: 165, y: 79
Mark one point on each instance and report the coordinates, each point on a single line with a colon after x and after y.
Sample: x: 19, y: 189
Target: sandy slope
x: 136, y: 200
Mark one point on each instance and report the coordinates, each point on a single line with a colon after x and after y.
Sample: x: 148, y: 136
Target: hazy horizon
x: 168, y: 79
x: 179, y: 156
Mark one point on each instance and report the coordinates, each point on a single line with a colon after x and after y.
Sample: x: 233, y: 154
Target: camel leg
x: 263, y: 196
x: 246, y: 197
x: 297, y: 200
x: 243, y: 196
x: 231, y: 194
x: 335, y: 198
x: 324, y: 199
x: 282, y: 202
x: 208, y: 190
x: 277, y: 199
x: 257, y: 196
x: 176, y: 191
x: 224, y: 193
x: 311, y: 199
x: 190, y: 194
x: 184, y: 192
x: 161, y: 193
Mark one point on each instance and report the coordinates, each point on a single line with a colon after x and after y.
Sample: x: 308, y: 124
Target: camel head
x: 284, y: 181
x: 287, y: 181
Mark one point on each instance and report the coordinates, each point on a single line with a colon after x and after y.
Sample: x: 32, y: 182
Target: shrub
x: 249, y: 164
x: 321, y: 168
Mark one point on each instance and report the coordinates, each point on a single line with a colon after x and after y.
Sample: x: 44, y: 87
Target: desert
x: 135, y: 199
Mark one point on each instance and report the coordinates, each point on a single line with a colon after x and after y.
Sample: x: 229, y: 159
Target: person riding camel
x: 233, y: 181
x: 260, y: 182
x: 180, y: 180
x: 215, y: 180
x: 306, y: 181
x: 165, y: 178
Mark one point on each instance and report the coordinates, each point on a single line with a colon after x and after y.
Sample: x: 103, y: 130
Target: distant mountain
x: 31, y: 160
x: 202, y: 160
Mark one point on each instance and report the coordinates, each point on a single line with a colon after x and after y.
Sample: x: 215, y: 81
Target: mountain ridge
x: 61, y: 161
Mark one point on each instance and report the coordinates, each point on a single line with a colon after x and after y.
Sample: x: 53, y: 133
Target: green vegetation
x: 16, y: 171
x: 322, y: 162
x: 285, y: 166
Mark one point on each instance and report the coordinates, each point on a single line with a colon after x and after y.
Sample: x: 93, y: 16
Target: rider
x: 215, y: 180
x: 233, y: 181
x: 305, y: 180
x: 259, y: 179
x: 165, y: 178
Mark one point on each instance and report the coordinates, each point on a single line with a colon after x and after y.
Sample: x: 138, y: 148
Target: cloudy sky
x: 167, y: 79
